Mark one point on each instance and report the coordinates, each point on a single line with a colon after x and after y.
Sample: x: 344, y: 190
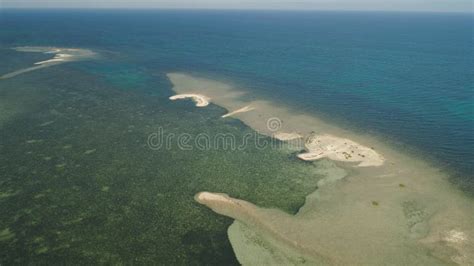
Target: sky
x: 391, y: 5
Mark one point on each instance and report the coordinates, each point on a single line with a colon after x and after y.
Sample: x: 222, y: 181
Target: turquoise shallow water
x: 406, y: 77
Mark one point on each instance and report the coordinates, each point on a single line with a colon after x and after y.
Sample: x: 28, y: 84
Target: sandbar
x: 397, y: 209
x: 284, y: 136
x: 200, y: 100
x: 61, y: 55
x: 240, y: 110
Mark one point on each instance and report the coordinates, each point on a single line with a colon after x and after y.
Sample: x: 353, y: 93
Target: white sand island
x: 200, y: 100
x: 340, y: 149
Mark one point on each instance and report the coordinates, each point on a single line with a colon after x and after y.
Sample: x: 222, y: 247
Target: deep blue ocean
x: 409, y: 76
x: 405, y: 77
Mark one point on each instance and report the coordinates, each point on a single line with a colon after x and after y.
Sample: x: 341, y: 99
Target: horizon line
x: 241, y: 9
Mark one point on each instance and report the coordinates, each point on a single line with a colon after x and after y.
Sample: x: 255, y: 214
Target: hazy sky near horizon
x: 399, y: 5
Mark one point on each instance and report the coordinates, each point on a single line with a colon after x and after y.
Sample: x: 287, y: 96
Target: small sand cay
x: 200, y: 100
x: 340, y: 149
x: 62, y: 55
x: 241, y: 110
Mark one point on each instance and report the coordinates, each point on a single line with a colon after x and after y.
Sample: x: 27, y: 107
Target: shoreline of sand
x: 199, y: 99
x: 244, y: 109
x: 277, y: 122
x: 392, y: 196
